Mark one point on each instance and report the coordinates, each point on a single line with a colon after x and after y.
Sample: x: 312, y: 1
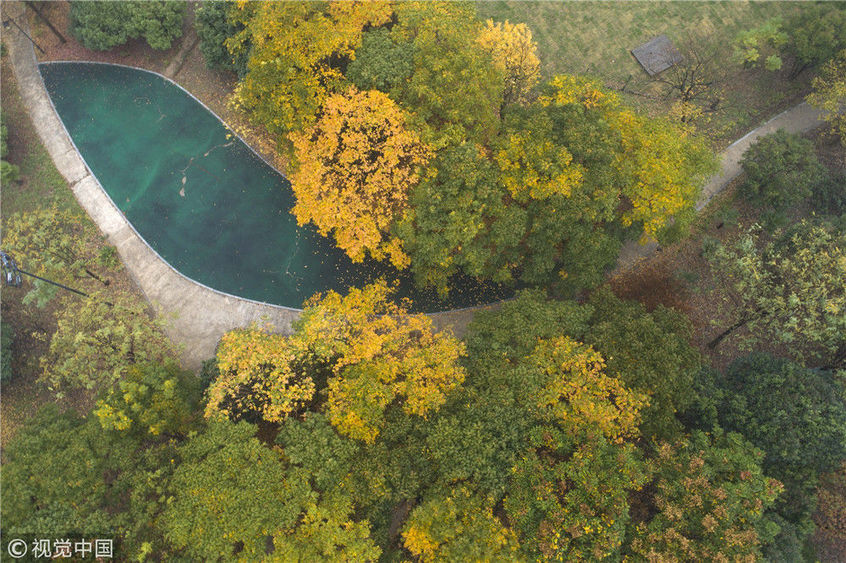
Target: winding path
x: 198, y: 316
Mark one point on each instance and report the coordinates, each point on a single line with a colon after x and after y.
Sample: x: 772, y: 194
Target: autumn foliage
x: 515, y: 54
x: 378, y: 353
x: 256, y: 378
x: 356, y: 168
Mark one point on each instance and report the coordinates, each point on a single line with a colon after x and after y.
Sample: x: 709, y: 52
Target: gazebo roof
x: 657, y: 55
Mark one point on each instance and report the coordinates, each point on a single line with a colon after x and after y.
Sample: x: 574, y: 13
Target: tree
x: 55, y: 244
x: 447, y: 59
x: 660, y: 165
x: 458, y: 220
x: 54, y: 477
x: 257, y: 380
x: 232, y: 497
x: 7, y: 338
x: 152, y: 400
x: 649, y: 353
x: 797, y: 416
x: 578, y: 396
x: 695, y: 82
x: 789, y: 290
x: 228, y: 490
x: 457, y: 525
x: 377, y: 354
x: 829, y: 94
x: 214, y: 27
x: 514, y: 53
x: 356, y: 167
x: 817, y: 32
x: 710, y: 496
x: 830, y: 517
x: 760, y: 45
x: 383, y: 61
x: 96, y: 342
x: 570, y: 502
x: 512, y: 331
x: 101, y: 26
x: 296, y: 52
x: 8, y: 172
x: 782, y: 170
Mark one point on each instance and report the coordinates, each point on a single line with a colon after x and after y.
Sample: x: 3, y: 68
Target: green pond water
x: 203, y: 200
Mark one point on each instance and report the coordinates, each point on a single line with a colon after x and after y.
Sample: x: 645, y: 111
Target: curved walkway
x: 198, y: 316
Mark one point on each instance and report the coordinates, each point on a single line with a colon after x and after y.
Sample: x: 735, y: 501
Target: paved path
x: 199, y: 316
x: 797, y: 119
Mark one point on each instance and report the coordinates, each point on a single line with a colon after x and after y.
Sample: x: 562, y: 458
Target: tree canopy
x: 356, y: 167
x: 101, y: 26
x: 788, y: 290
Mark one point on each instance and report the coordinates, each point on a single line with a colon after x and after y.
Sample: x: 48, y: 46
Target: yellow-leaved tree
x: 579, y: 396
x: 660, y: 164
x: 376, y: 354
x: 296, y: 51
x: 256, y: 378
x: 357, y: 166
x: 515, y: 54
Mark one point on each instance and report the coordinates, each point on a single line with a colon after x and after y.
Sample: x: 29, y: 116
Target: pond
x: 203, y: 200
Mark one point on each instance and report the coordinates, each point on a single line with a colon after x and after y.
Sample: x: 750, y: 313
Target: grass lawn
x: 596, y: 38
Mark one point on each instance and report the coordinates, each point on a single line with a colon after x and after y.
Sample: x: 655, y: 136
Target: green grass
x: 40, y: 184
x: 595, y: 38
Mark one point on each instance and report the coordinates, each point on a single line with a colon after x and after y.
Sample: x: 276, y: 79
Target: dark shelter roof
x: 657, y: 55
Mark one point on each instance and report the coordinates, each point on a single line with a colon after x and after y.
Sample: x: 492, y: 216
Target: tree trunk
x: 714, y: 343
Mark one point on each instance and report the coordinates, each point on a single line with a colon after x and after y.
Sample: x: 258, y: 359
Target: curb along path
x: 197, y: 316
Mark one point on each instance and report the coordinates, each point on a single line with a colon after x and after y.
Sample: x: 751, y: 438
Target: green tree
x: 797, y: 416
x: 383, y: 61
x: 789, y: 290
x: 60, y: 475
x: 101, y: 26
x: 152, y: 400
x: 817, y: 33
x: 97, y: 341
x: 760, y: 45
x: 8, y: 172
x: 458, y: 525
x: 232, y: 497
x: 7, y: 338
x: 570, y: 501
x: 782, y: 170
x: 55, y: 244
x: 214, y: 27
x: 447, y: 59
x: 458, y: 220
x: 648, y: 352
x: 708, y: 503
